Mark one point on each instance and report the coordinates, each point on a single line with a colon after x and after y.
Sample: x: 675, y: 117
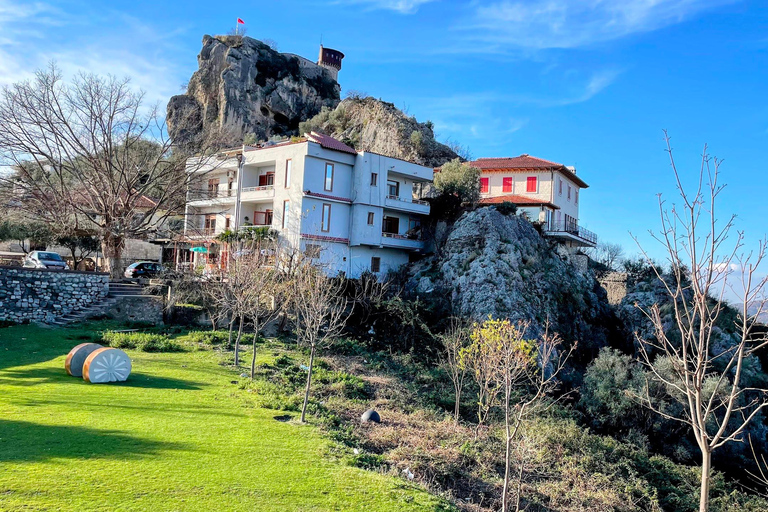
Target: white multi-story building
x: 351, y: 211
x: 547, y: 192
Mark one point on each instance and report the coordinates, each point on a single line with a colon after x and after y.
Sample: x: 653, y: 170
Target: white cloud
x: 401, y: 6
x: 575, y: 23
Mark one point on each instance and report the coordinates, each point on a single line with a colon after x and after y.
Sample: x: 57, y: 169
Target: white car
x: 45, y: 259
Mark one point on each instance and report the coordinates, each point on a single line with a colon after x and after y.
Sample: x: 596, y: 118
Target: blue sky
x: 590, y: 83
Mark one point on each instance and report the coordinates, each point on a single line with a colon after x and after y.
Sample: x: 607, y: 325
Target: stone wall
x: 144, y: 308
x: 42, y: 295
x: 615, y: 284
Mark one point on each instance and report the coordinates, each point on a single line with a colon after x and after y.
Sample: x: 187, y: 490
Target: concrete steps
x: 117, y: 290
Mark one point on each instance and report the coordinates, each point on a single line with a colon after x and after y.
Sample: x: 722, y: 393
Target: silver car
x: 45, y: 259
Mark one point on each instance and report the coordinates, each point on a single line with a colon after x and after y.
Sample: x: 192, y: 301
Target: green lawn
x: 177, y: 436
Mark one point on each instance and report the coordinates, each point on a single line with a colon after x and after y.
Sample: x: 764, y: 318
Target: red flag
x: 240, y: 21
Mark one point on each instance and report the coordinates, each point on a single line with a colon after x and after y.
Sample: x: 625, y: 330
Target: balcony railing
x: 398, y: 236
x: 255, y: 189
x: 202, y: 195
x: 408, y: 200
x: 572, y: 228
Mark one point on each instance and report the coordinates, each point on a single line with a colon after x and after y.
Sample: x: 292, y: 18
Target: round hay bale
x: 107, y: 365
x: 77, y: 356
x: 370, y: 416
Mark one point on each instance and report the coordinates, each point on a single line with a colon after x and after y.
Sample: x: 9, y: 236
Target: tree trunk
x: 457, y: 405
x: 231, y: 329
x: 253, y: 357
x: 309, y: 382
x: 112, y: 251
x: 706, y: 469
x: 237, y: 342
x: 507, y: 456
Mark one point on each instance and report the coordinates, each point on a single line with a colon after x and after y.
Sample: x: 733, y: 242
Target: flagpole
x: 237, y: 26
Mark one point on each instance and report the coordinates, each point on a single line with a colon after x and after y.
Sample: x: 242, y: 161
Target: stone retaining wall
x: 41, y: 295
x: 615, y: 284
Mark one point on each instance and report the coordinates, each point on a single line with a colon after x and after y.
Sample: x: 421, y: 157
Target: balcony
x: 407, y: 204
x: 211, y: 196
x: 259, y: 193
x: 570, y: 231
x: 401, y: 241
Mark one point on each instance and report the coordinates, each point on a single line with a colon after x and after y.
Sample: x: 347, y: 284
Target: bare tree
x: 608, y: 254
x: 518, y: 367
x: 704, y: 372
x: 454, y: 340
x: 267, y: 293
x: 89, y: 154
x: 321, y: 313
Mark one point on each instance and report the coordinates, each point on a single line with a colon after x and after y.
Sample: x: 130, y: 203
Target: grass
x: 179, y: 435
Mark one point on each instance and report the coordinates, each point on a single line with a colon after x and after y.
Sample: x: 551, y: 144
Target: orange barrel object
x: 107, y: 365
x: 77, y: 356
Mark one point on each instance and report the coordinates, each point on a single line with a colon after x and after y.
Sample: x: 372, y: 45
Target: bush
x: 146, y: 342
x: 507, y: 208
x: 208, y: 337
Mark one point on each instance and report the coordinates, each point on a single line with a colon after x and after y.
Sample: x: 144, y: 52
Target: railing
x: 398, y: 236
x: 201, y: 195
x: 255, y: 189
x: 406, y: 200
x: 572, y: 228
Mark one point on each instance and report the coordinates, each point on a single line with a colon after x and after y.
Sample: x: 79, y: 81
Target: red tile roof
x: 330, y: 143
x: 326, y: 196
x: 323, y: 238
x: 517, y: 162
x: 518, y: 200
x: 525, y: 162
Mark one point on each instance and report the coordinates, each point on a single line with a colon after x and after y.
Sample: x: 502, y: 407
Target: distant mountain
x: 763, y: 317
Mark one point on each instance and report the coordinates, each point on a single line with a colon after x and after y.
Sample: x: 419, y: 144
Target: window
x: 226, y: 222
x: 213, y: 187
x: 370, y: 218
x: 507, y: 185
x: 312, y: 251
x: 569, y: 192
x: 375, y: 264
x: 326, y: 223
x: 374, y: 179
x: 576, y: 197
x: 288, y: 166
x: 531, y: 184
x: 230, y: 186
x: 414, y: 225
x: 560, y: 186
x: 393, y: 188
x: 483, y: 185
x: 328, y: 185
x: 391, y: 225
x: 267, y: 179
x: 268, y: 217
x: 210, y: 223
x: 286, y: 207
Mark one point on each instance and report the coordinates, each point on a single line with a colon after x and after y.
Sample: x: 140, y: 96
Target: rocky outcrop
x: 244, y: 87
x: 368, y: 124
x: 499, y: 265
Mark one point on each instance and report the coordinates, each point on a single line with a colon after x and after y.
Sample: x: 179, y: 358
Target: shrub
x: 146, y: 342
x: 208, y: 337
x: 507, y: 208
x: 463, y: 181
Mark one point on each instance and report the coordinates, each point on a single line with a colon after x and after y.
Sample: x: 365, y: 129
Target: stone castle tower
x: 330, y: 60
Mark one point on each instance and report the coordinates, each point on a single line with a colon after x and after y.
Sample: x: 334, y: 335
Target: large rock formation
x: 245, y: 87
x: 368, y: 124
x: 499, y: 265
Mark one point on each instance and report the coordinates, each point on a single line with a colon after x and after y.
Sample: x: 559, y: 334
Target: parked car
x: 45, y: 259
x: 143, y: 269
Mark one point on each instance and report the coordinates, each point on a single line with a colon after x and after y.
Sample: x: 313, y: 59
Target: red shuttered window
x: 483, y: 185
x: 507, y: 185
x: 531, y: 184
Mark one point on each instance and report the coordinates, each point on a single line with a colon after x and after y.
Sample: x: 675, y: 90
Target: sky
x: 588, y: 83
